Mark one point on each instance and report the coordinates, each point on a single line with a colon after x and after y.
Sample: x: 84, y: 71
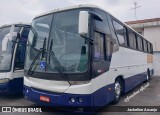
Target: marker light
x: 80, y: 100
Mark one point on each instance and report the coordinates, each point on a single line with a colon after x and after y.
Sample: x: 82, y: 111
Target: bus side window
x: 139, y: 41
x: 132, y: 39
x: 99, y: 46
x: 21, y: 49
x: 145, y: 45
x: 102, y: 47
x: 151, y: 46
x: 120, y: 31
x: 112, y: 30
x: 103, y: 37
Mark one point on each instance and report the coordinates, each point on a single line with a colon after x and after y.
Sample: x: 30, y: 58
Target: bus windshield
x: 6, y: 56
x: 61, y: 32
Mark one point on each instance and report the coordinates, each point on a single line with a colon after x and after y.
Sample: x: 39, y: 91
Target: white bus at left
x: 13, y: 40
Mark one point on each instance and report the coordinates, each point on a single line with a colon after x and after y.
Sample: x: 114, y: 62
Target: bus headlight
x: 78, y: 82
x: 72, y: 100
x: 5, y: 80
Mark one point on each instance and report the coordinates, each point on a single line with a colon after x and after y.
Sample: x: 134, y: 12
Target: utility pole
x: 135, y: 8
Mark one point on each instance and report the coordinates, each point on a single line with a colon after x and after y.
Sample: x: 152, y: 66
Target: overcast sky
x: 25, y: 10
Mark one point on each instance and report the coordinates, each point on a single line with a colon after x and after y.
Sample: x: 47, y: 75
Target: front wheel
x: 117, y: 91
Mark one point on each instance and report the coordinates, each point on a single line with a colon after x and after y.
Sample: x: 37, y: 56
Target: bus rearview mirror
x: 5, y: 42
x: 8, y: 37
x: 83, y: 22
x: 12, y: 33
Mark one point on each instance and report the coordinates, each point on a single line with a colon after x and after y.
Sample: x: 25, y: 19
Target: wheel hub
x: 117, y: 89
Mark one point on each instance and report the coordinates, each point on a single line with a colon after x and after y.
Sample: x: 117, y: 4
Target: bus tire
x: 117, y: 90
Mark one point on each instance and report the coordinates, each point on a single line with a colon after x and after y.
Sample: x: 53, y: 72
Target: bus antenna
x: 135, y: 8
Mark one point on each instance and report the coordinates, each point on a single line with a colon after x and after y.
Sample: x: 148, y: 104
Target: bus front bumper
x: 58, y: 100
x: 14, y: 86
x: 4, y: 87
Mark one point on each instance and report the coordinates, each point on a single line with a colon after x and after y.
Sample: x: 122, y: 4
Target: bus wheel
x: 117, y: 90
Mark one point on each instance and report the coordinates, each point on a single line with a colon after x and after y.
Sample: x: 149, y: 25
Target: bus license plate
x: 45, y: 98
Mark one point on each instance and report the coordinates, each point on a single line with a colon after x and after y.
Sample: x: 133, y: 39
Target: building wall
x: 153, y: 35
x: 156, y: 63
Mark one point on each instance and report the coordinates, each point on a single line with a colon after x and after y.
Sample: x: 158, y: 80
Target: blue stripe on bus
x: 14, y: 86
x: 133, y: 81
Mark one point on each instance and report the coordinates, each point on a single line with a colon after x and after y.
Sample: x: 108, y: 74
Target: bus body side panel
x: 133, y: 67
x: 135, y: 80
x: 104, y: 96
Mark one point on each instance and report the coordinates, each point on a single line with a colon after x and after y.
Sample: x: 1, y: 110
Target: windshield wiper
x: 42, y: 50
x: 58, y: 65
x: 50, y: 49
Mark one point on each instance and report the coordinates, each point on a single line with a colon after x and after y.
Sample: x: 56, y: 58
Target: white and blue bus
x: 82, y: 56
x: 13, y: 39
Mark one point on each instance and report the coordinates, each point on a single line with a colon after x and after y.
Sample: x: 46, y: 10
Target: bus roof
x: 69, y: 8
x: 18, y: 23
x: 85, y: 6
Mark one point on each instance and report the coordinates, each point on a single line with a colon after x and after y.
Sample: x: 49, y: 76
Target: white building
x: 150, y: 29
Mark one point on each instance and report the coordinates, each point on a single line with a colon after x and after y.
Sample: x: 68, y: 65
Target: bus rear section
x: 12, y: 56
x: 79, y: 57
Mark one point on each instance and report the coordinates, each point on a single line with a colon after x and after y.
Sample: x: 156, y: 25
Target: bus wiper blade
x: 42, y: 50
x: 58, y: 66
x: 88, y: 39
x: 50, y: 49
